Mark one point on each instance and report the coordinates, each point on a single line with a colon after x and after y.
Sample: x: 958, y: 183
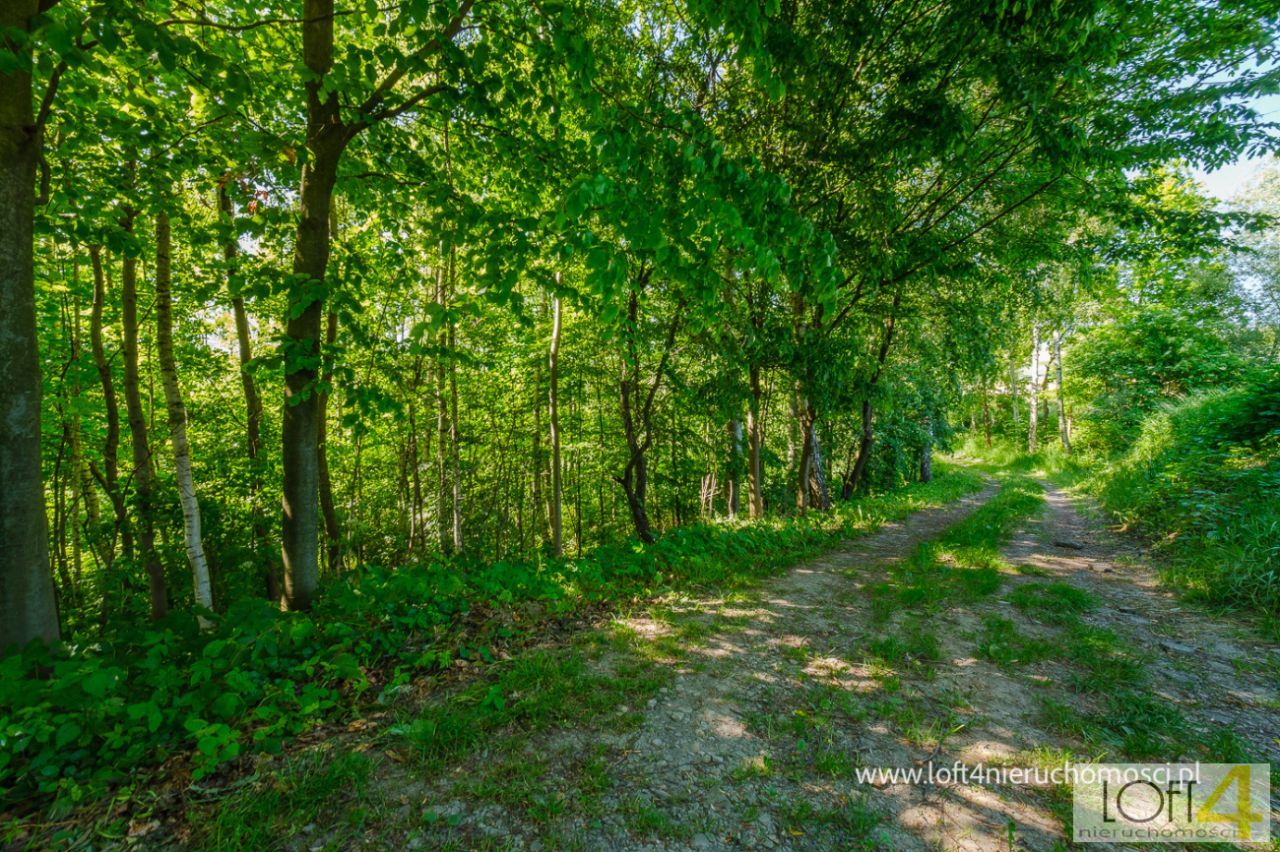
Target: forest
x: 439, y: 423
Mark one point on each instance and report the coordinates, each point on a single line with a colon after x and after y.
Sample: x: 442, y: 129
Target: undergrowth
x: 77, y: 719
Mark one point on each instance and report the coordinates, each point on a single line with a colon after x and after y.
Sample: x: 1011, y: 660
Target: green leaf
x: 67, y: 733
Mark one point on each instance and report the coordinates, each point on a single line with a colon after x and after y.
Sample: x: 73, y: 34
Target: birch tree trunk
x: 177, y: 412
x: 926, y: 454
x: 1013, y: 389
x: 1033, y: 410
x: 553, y: 408
x: 455, y: 459
x: 733, y: 481
x: 755, y: 448
x: 1064, y: 430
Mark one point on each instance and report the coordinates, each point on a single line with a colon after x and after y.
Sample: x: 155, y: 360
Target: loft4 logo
x: 1242, y: 815
x: 1173, y: 803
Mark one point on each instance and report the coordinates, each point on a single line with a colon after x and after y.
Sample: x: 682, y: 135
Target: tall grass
x: 1203, y: 477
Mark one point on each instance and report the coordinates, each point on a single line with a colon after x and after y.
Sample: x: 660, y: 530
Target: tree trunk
x: 855, y: 477
x: 253, y: 407
x: 811, y: 485
x: 111, y: 443
x: 28, y: 609
x: 332, y: 530
x: 1033, y: 409
x: 637, y: 413
x: 541, y: 511
x: 819, y: 493
x: 1064, y: 430
x: 326, y: 138
x: 553, y: 408
x: 1013, y: 389
x: 926, y: 454
x: 177, y: 412
x: 986, y: 417
x: 733, y: 479
x: 444, y: 512
x: 143, y: 479
x: 755, y: 447
x: 455, y: 460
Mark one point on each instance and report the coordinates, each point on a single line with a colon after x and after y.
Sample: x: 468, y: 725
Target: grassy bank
x: 1201, y: 481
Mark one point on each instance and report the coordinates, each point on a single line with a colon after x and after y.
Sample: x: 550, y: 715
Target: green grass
x: 1003, y: 644
x: 317, y: 788
x: 1053, y: 603
x: 963, y: 564
x: 531, y: 693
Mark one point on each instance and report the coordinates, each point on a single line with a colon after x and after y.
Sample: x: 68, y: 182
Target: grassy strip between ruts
x: 78, y: 720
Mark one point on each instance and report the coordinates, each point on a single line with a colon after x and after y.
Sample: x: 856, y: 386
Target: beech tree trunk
x: 865, y: 444
x: 177, y: 412
x: 553, y: 409
x: 111, y: 442
x: 326, y: 139
x: 143, y: 478
x: 328, y: 510
x: 28, y: 609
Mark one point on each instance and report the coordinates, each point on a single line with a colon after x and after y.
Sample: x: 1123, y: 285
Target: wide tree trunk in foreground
x: 177, y: 412
x: 27, y: 606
